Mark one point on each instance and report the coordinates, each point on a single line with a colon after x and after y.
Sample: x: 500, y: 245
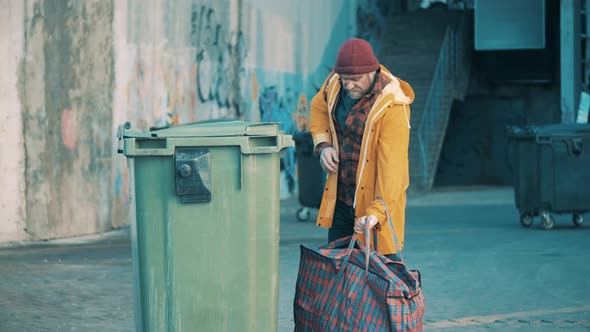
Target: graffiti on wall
x: 176, y: 85
x: 155, y: 94
x: 275, y: 107
x: 292, y: 112
x: 301, y: 114
x: 220, y: 59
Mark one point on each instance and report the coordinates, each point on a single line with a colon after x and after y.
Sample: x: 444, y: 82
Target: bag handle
x: 367, y: 249
x: 349, y: 250
x: 368, y: 240
x: 395, y: 241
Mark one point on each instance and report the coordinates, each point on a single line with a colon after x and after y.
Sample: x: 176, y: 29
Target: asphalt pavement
x: 481, y: 271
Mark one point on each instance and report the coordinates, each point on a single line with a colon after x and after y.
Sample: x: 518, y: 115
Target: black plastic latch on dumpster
x: 192, y: 175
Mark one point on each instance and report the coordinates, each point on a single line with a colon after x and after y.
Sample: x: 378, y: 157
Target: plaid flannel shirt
x: 350, y: 138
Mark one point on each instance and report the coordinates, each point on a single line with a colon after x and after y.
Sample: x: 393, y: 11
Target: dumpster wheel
x: 303, y: 214
x: 526, y: 220
x: 546, y: 220
x: 578, y: 219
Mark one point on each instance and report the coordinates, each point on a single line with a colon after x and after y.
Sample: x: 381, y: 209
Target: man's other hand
x: 329, y: 159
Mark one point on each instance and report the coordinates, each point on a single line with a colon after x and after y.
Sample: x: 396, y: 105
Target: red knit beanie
x: 355, y: 57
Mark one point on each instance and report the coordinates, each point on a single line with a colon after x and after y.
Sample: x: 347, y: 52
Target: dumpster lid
x: 215, y: 128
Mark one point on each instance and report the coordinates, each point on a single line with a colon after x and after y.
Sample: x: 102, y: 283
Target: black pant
x: 343, y: 222
x: 343, y: 225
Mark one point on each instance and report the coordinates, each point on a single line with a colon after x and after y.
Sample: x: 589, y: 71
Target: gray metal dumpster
x: 551, y: 171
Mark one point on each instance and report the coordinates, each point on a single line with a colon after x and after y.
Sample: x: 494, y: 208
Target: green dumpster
x: 204, y: 210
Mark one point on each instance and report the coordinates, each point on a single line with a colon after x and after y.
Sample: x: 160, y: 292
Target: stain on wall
x: 69, y: 128
x: 67, y: 96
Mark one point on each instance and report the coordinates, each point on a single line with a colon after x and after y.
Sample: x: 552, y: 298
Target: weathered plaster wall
x: 12, y: 159
x: 66, y: 98
x: 74, y: 70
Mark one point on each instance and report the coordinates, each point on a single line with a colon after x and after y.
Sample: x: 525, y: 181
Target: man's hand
x: 359, y: 226
x: 329, y: 159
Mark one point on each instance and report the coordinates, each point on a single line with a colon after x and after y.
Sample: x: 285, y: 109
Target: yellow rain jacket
x: 383, y: 162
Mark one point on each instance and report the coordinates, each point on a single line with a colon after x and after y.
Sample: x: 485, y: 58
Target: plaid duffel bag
x: 341, y: 287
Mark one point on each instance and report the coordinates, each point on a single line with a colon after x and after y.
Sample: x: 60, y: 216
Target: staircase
x: 431, y: 51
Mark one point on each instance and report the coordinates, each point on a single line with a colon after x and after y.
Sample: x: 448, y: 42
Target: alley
x: 481, y: 271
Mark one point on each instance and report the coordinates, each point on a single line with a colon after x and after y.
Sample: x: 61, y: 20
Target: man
x: 360, y: 124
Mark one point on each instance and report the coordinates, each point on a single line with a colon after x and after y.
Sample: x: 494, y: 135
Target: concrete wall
x: 56, y: 97
x: 72, y: 71
x: 66, y: 97
x: 12, y: 159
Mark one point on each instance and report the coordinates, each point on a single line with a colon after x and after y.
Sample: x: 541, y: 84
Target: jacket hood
x: 401, y: 90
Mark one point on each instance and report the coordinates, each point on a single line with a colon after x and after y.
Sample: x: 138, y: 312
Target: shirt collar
x: 377, y: 86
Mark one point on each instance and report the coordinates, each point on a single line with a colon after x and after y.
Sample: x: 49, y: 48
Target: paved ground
x: 481, y: 271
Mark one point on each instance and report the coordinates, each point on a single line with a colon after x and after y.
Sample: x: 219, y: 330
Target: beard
x: 357, y: 94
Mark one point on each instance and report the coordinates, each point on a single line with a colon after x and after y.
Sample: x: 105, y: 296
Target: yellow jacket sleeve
x: 319, y: 117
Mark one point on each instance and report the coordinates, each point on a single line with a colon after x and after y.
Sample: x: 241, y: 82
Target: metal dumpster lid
x: 216, y: 128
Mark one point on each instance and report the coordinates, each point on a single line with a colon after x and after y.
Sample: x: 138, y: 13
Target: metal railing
x: 449, y: 74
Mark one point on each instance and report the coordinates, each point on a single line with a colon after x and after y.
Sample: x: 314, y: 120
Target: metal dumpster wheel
x: 546, y: 220
x: 578, y: 219
x: 303, y: 214
x: 526, y: 220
